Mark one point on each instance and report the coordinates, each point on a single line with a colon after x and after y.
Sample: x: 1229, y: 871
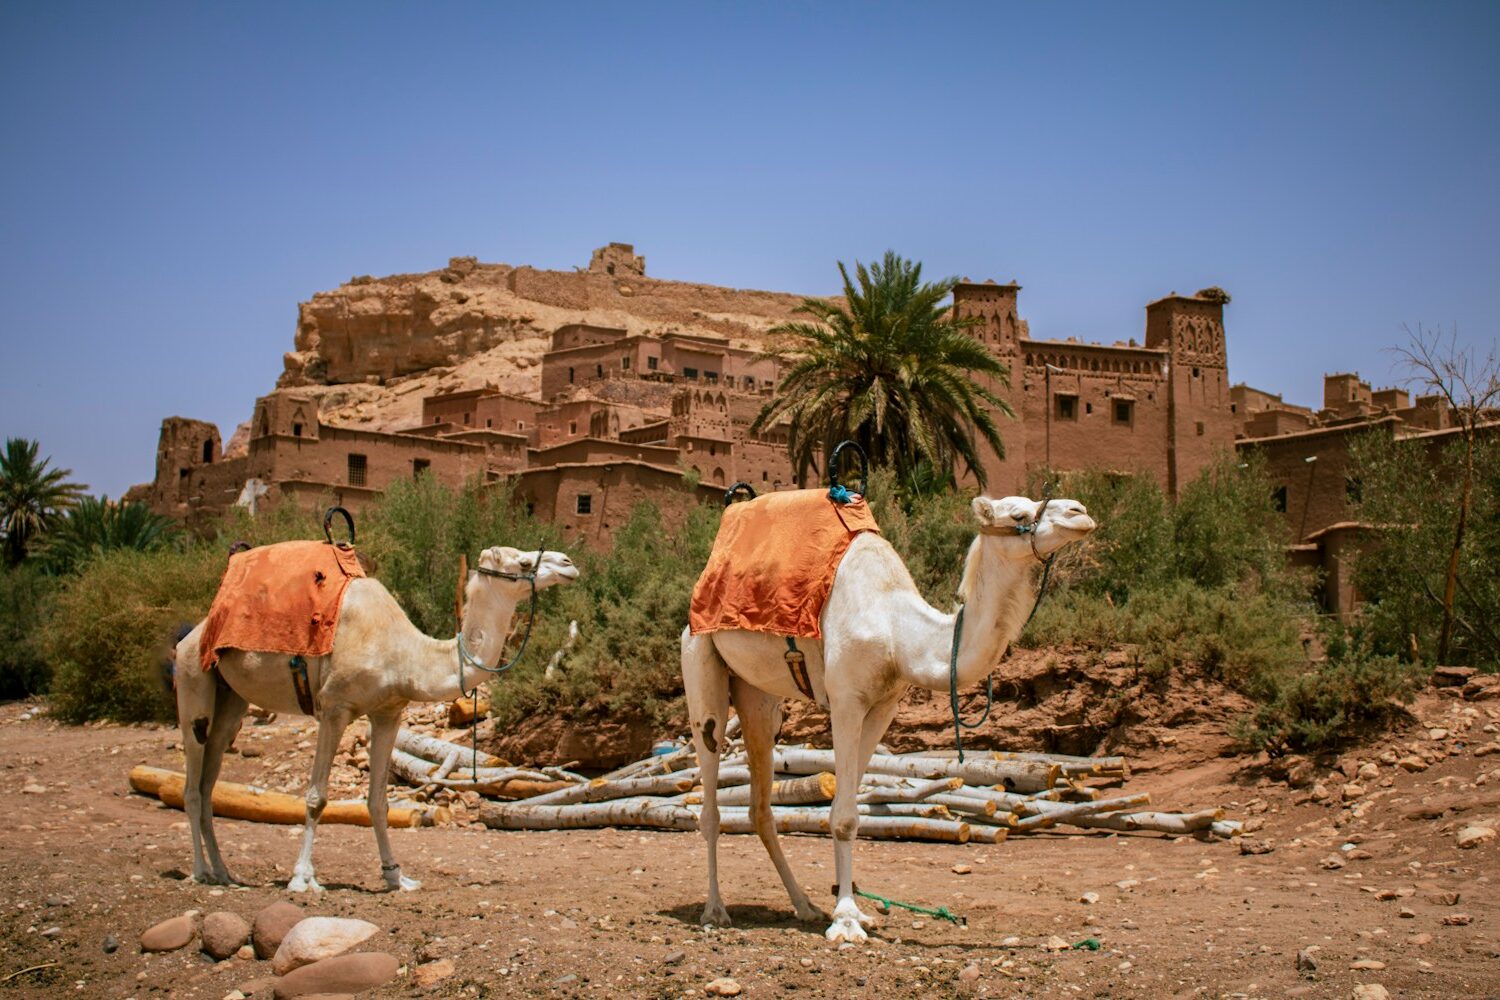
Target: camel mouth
x: 568, y: 573
x: 1077, y: 525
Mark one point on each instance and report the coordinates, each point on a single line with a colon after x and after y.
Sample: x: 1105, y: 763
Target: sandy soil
x: 615, y: 912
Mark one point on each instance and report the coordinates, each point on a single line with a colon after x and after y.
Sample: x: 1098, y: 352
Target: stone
x: 340, y: 974
x: 424, y: 976
x: 1366, y: 965
x: 246, y: 953
x: 1252, y: 845
x: 723, y: 987
x: 1452, y: 676
x: 1407, y: 913
x: 1457, y: 920
x: 250, y: 987
x: 673, y: 957
x: 271, y: 925
x: 968, y: 973
x: 1368, y: 772
x: 1055, y: 943
x: 1320, y: 792
x: 1437, y: 734
x: 224, y: 933
x: 1486, y: 688
x: 1089, y: 898
x: 1474, y: 836
x: 1420, y: 939
x: 111, y: 944
x: 1352, y: 791
x: 316, y: 938
x: 1371, y: 991
x: 1331, y: 863
x: 961, y: 869
x: 1412, y: 764
x: 1443, y: 898
x: 1306, y: 962
x: 169, y: 935
x: 1358, y: 854
x: 1010, y: 942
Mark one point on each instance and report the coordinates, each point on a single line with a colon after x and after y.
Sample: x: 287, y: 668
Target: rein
x: 959, y: 725
x: 466, y: 658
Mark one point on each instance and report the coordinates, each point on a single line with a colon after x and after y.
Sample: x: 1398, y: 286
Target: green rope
x: 942, y: 912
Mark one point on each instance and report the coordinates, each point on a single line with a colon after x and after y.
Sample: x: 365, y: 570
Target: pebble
x: 806, y: 963
x: 969, y: 973
x: 1055, y: 943
x: 1127, y: 883
x: 316, y: 938
x: 433, y: 972
x: 1474, y: 836
x: 1358, y: 854
x: 673, y: 957
x: 271, y: 925
x: 571, y: 977
x: 1366, y: 965
x: 1331, y: 863
x: 246, y: 953
x: 111, y: 944
x: 1010, y: 942
x: 723, y: 987
x: 340, y: 974
x: 1443, y: 898
x: 169, y: 935
x: 1371, y: 991
x: 1368, y: 772
x: 1457, y: 920
x: 224, y: 933
x: 1412, y: 764
x: 1352, y: 791
x: 1420, y: 939
x: 1089, y: 898
x: 961, y: 869
x: 1306, y: 962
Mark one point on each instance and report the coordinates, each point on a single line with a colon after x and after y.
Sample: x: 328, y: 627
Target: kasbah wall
x: 598, y: 388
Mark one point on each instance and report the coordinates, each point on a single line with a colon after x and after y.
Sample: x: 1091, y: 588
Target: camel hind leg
x: 331, y: 725
x: 197, y: 693
x: 705, y: 681
x: 383, y: 727
x: 760, y: 718
x: 229, y: 712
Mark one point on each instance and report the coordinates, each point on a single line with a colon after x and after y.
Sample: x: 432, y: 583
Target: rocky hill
x: 372, y: 348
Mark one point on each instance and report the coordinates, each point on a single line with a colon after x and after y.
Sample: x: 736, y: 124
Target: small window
x: 764, y: 475
x: 297, y: 430
x: 711, y: 376
x: 1124, y: 411
x: 208, y: 451
x: 520, y: 425
x: 1088, y: 408
x: 572, y: 427
x: 713, y: 449
x: 690, y: 373
x: 468, y: 418
x: 419, y: 466
x: 488, y: 422
x: 1200, y: 428
x: 436, y: 420
x: 651, y: 363
x: 1067, y: 407
x: 1278, y: 499
x: 625, y: 363
x: 585, y: 503
x: 570, y: 376
x: 182, y: 473
x: 357, y: 466
x: 598, y: 371
x: 1195, y: 373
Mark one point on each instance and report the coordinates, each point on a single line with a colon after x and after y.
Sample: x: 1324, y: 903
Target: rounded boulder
x: 169, y: 935
x: 317, y: 938
x: 224, y: 933
x: 340, y: 974
x: 272, y: 924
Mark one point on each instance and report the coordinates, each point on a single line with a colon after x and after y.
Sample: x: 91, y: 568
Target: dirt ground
x: 614, y: 912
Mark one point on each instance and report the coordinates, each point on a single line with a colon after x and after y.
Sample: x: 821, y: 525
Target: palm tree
x: 32, y: 496
x: 891, y: 368
x: 95, y: 525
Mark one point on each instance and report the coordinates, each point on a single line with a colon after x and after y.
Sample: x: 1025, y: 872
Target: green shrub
x: 24, y: 593
x: 111, y: 626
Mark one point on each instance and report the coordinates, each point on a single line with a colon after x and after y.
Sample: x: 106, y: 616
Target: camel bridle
x: 466, y: 658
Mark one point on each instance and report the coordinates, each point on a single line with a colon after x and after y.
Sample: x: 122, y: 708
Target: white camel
x: 879, y: 639
x: 379, y: 663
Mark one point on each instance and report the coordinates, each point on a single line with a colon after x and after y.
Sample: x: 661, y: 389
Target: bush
x: 110, y: 631
x: 24, y: 592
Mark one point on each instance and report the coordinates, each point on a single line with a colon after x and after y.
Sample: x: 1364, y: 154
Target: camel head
x: 1014, y: 522
x: 513, y: 568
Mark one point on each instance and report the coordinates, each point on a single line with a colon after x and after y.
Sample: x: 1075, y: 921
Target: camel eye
x: 1018, y: 518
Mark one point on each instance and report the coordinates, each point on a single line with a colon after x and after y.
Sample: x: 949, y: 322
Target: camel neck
x: 999, y: 592
x: 486, y: 621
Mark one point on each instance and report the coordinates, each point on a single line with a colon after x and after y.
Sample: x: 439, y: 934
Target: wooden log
x: 250, y: 802
x: 603, y: 790
x: 648, y: 811
x: 1046, y: 814
x: 792, y: 791
x: 1227, y: 828
x: 1007, y: 800
x: 432, y: 749
x: 1157, y: 822
x: 1015, y: 775
x: 1096, y: 765
x: 963, y: 804
x: 914, y: 792
x: 500, y: 782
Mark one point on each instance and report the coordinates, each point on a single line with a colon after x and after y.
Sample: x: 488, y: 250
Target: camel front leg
x: 331, y: 726
x: 705, y: 682
x: 382, y: 740
x: 759, y: 720
x: 848, y: 729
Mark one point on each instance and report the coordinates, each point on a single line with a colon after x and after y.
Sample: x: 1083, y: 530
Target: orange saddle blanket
x: 281, y: 598
x: 773, y: 561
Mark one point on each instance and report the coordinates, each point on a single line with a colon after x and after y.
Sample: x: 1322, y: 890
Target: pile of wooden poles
x: 924, y: 796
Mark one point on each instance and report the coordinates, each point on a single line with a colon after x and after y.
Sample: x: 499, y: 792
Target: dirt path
x: 614, y: 912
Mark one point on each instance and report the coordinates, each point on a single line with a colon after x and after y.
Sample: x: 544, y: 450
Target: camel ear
x: 984, y: 510
x: 495, y: 558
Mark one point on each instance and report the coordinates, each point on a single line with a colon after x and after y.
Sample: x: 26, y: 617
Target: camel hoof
x: 303, y: 883
x: 395, y: 880
x: 715, y: 914
x: 848, y: 924
x: 809, y: 914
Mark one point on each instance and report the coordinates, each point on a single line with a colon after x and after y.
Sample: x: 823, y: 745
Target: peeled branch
x: 249, y: 802
x: 791, y: 791
x: 1014, y: 775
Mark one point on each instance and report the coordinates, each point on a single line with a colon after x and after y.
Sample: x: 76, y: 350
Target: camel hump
x: 773, y: 563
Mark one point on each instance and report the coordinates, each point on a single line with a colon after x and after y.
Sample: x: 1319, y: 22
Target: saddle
x: 773, y: 561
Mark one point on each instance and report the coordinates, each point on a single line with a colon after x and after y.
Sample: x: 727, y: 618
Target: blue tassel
x: 841, y: 495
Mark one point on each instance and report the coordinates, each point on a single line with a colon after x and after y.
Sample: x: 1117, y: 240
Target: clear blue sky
x: 176, y: 178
